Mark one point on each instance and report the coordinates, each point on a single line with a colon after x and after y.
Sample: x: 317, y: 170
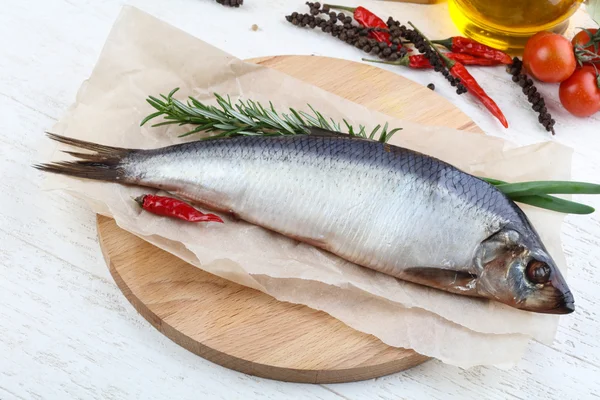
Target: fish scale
x: 375, y: 175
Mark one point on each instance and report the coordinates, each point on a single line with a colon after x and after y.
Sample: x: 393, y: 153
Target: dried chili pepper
x: 420, y: 61
x: 459, y: 44
x: 458, y: 70
x: 467, y: 59
x: 170, y: 207
x: 369, y: 20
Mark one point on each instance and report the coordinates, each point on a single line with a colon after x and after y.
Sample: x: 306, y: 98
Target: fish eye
x: 537, y: 272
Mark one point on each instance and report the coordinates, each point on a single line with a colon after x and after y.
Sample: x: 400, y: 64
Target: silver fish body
x: 383, y: 207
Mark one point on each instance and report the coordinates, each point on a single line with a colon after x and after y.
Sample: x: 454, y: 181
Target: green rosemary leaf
x: 208, y: 114
x: 336, y: 125
x: 372, y: 135
x: 199, y: 128
x: 214, y: 137
x: 297, y: 117
x: 151, y: 116
x: 180, y: 106
x: 155, y: 105
x: 157, y: 101
x: 225, y: 127
x: 290, y: 120
x: 195, y: 103
x: 172, y: 92
x: 281, y: 123
x: 165, y: 123
x: 235, y: 131
x: 242, y: 111
x: 391, y: 133
x: 322, y: 121
x: 241, y: 117
x: 311, y: 120
x: 252, y: 106
x: 362, y: 132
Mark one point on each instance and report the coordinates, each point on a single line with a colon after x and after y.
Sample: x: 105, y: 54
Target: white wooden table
x: 65, y: 329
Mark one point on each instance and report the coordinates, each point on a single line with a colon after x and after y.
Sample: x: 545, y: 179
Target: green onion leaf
x: 555, y: 204
x: 548, y: 187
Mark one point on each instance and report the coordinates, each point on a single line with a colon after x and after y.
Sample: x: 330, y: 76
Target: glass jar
x: 507, y: 24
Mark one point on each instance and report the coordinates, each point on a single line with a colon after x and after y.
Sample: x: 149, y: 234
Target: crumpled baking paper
x: 144, y: 56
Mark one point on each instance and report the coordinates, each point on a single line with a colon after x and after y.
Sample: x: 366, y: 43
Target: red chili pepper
x: 458, y: 44
x: 170, y: 207
x: 458, y: 70
x: 419, y: 61
x: 369, y: 20
x: 467, y: 59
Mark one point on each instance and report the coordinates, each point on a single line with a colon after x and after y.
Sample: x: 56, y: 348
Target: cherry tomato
x: 549, y: 57
x: 580, y: 94
x: 531, y: 43
x: 582, y: 38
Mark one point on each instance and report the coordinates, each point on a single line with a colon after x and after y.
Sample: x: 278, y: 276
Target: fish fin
x: 105, y: 163
x: 99, y: 149
x: 445, y: 279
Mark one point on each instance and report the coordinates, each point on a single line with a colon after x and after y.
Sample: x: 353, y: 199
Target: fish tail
x: 104, y: 163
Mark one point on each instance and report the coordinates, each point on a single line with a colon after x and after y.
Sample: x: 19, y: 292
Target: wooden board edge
x: 244, y: 366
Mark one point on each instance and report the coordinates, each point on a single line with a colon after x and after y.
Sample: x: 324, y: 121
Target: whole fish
x: 384, y: 207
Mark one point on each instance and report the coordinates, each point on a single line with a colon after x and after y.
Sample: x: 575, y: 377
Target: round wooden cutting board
x: 249, y: 331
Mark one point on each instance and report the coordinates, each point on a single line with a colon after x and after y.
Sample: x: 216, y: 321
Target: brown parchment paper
x: 144, y: 56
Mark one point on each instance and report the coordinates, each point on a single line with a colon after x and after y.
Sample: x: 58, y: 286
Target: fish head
x: 516, y: 269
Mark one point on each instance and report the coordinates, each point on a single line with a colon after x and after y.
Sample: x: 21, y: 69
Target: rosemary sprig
x: 248, y: 118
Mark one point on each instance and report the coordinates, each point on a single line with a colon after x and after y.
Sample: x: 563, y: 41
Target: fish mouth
x: 566, y: 305
x: 562, y: 304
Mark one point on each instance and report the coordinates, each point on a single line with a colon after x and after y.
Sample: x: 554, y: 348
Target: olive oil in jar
x: 507, y: 24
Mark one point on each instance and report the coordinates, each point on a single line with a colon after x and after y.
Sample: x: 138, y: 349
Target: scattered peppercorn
x: 346, y: 29
x: 431, y: 86
x: 231, y: 3
x: 398, y: 30
x: 350, y: 31
x: 538, y: 104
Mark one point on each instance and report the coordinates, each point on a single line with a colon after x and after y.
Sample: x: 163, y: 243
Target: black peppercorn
x: 231, y: 3
x: 538, y: 104
x: 342, y: 26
